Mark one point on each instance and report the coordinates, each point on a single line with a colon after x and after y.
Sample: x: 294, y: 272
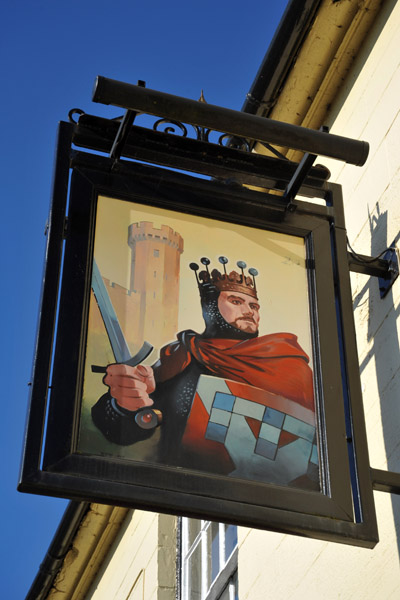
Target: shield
x: 249, y: 433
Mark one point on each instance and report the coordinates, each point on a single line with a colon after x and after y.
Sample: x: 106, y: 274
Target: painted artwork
x: 199, y: 348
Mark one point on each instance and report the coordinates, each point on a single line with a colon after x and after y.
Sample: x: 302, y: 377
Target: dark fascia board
x: 281, y: 54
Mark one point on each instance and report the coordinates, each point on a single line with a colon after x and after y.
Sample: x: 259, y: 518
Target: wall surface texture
x: 141, y: 563
x: 285, y: 567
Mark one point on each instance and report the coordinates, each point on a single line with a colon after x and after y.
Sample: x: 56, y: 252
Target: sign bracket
x: 123, y: 131
x: 231, y: 122
x: 385, y: 481
x: 385, y: 268
x: 298, y: 179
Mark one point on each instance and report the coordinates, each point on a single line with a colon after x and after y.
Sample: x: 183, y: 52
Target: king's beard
x: 246, y: 324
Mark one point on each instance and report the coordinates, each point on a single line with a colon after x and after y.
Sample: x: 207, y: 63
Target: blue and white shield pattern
x: 269, y: 438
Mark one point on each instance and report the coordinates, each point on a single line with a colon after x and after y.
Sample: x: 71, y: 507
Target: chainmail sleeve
x: 117, y: 424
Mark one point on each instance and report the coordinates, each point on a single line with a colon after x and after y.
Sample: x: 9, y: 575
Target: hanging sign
x: 204, y: 360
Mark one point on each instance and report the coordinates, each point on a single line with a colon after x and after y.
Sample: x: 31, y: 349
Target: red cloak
x: 275, y: 363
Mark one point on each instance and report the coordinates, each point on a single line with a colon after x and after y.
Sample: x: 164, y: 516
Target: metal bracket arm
x: 123, y: 131
x: 386, y: 268
x: 122, y: 134
x: 385, y: 481
x: 374, y: 267
x: 297, y: 180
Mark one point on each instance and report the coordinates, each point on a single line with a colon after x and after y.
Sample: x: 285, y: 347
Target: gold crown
x: 233, y: 281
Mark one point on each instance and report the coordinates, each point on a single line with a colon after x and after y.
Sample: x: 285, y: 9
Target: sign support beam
x: 232, y: 122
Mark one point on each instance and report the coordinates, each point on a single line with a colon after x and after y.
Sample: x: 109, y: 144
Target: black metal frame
x: 344, y: 512
x: 194, y: 155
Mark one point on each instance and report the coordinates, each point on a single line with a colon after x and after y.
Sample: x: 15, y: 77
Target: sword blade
x: 120, y: 347
x: 115, y: 334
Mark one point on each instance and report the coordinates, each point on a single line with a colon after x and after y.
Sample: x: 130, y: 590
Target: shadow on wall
x: 385, y: 351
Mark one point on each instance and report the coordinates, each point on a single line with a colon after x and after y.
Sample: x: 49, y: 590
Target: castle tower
x: 155, y: 267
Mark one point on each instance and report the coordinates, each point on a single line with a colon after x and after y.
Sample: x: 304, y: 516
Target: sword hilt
x: 146, y: 418
x: 132, y: 362
x: 98, y: 369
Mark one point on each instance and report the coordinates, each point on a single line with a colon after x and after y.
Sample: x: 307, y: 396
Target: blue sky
x: 52, y: 50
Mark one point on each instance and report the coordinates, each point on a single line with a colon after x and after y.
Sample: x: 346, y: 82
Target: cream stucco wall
x: 141, y: 563
x: 285, y: 567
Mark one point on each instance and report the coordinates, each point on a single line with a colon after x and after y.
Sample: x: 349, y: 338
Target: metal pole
x: 232, y: 122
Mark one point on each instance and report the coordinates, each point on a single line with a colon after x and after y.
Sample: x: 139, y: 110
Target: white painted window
x: 208, y: 561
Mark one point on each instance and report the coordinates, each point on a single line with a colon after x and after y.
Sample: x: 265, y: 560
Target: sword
x: 146, y: 418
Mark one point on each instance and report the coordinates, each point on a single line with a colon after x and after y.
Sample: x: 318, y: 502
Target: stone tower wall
x: 155, y: 268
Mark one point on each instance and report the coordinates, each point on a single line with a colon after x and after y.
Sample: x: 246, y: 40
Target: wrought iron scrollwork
x: 75, y: 111
x: 170, y: 126
x: 234, y: 142
x: 202, y: 134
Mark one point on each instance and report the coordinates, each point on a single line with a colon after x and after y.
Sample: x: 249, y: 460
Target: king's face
x: 239, y: 310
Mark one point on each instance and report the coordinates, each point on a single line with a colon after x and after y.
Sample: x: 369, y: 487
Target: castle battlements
x: 118, y: 288
x: 149, y: 309
x: 145, y: 231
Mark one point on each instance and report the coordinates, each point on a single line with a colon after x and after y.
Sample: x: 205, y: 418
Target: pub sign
x: 196, y: 353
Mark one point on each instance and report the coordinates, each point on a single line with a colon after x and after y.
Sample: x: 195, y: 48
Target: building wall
x: 285, y: 567
x: 142, y: 562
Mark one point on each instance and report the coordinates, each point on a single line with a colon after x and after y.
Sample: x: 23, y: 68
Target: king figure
x: 232, y: 402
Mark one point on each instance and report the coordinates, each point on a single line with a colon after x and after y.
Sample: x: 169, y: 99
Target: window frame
x: 227, y: 567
